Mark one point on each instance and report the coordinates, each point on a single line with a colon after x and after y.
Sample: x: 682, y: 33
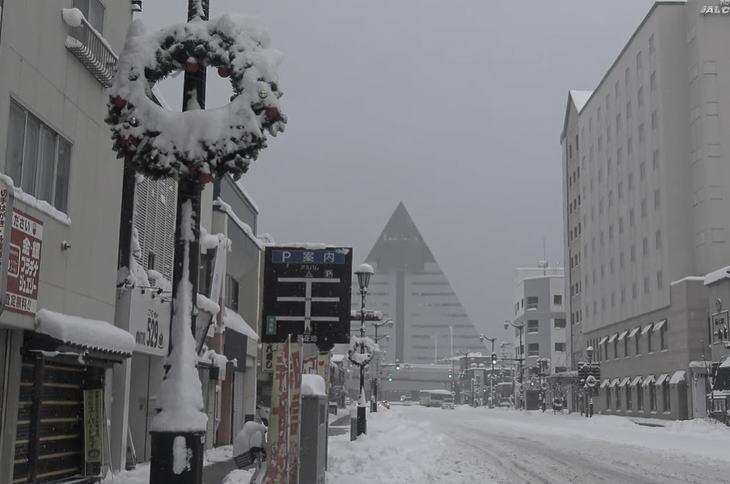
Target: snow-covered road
x: 467, y: 445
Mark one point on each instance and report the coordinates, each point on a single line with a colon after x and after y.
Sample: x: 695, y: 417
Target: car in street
x: 447, y: 405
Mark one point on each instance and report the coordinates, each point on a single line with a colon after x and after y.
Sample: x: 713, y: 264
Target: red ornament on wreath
x: 204, y: 144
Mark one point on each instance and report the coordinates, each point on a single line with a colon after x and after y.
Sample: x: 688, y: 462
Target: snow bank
x: 89, y: 333
x: 252, y: 435
x: 313, y: 385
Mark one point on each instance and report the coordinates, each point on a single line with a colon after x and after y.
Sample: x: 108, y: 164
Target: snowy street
x: 466, y: 445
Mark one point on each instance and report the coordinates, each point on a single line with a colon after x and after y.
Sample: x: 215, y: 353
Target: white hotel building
x: 647, y: 207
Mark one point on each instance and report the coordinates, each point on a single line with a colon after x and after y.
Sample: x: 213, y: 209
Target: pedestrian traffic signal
x: 494, y: 358
x: 390, y: 377
x: 397, y: 365
x: 451, y: 375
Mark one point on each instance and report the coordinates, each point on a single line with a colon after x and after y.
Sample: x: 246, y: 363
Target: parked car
x: 447, y: 404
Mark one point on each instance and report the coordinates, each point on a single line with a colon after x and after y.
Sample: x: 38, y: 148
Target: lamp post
x: 589, y: 390
x: 520, y: 327
x: 376, y: 380
x: 493, y: 358
x: 363, y: 273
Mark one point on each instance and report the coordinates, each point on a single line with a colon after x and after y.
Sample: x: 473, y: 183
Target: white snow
x: 677, y: 377
x: 313, y: 385
x: 687, y: 279
x: 233, y: 320
x: 158, y: 280
x: 240, y: 223
x: 313, y: 246
x: 365, y: 268
x: 717, y: 275
x: 40, y: 205
x: 180, y: 455
x: 725, y: 363
x: 72, y: 17
x: 216, y: 359
x: 207, y: 305
x: 90, y: 333
x: 580, y: 98
x: 180, y: 396
x: 251, y: 435
x: 210, y: 241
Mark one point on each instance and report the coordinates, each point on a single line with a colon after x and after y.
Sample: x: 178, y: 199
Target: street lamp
x: 588, y: 388
x: 377, y: 325
x: 363, y: 273
x: 520, y: 327
x: 493, y: 358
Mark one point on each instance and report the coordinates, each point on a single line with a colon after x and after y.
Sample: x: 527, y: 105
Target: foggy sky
x: 454, y: 107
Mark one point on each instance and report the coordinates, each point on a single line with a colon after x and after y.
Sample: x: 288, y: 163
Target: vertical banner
x: 276, y: 467
x: 24, y: 262
x: 7, y: 197
x: 93, y: 422
x: 309, y: 365
x: 295, y: 406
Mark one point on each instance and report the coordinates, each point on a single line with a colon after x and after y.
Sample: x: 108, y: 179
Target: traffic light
x: 451, y: 375
x: 390, y: 377
x: 397, y: 365
x: 494, y: 358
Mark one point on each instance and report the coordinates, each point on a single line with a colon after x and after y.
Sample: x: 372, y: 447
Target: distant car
x: 447, y: 405
x: 408, y: 402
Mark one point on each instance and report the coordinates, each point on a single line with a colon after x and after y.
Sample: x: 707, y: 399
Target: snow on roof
x: 233, y: 320
x: 624, y: 381
x: 686, y: 279
x: 207, y: 305
x: 580, y: 98
x: 726, y: 363
x: 649, y: 379
x: 89, y: 333
x: 717, y: 275
x: 313, y: 385
x: 659, y: 325
x: 240, y: 223
x: 636, y: 380
x: 613, y: 337
x: 623, y: 334
x: 647, y: 328
x: 603, y: 340
x: 661, y: 379
x: 677, y: 377
x: 634, y: 331
x: 605, y: 383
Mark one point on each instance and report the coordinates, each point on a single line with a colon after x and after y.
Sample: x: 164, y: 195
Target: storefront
x: 61, y: 397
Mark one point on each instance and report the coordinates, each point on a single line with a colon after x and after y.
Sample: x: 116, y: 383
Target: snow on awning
x: 86, y: 333
x: 634, y: 331
x: 726, y: 363
x: 649, y: 379
x: 623, y: 334
x: 647, y: 328
x: 662, y: 378
x: 677, y: 377
x: 234, y: 321
x: 636, y: 380
x: 624, y: 381
x: 605, y: 383
x: 658, y: 326
x: 613, y: 383
x: 613, y: 337
x: 603, y: 340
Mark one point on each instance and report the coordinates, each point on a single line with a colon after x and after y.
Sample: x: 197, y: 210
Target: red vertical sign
x: 7, y: 196
x: 295, y: 401
x: 24, y: 263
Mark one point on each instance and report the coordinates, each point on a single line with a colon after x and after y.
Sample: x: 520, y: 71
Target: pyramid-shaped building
x: 410, y: 288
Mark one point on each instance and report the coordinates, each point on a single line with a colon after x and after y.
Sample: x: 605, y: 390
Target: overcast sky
x: 454, y: 107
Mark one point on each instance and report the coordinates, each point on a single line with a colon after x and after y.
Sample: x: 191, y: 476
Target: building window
x: 557, y: 299
x: 618, y: 398
x: 231, y: 292
x: 608, y: 397
x: 660, y: 282
x: 533, y: 349
x: 634, y: 291
x: 639, y: 397
x: 559, y: 323
x: 652, y: 397
x: 658, y: 237
x: 666, y: 396
x: 657, y: 199
x: 638, y: 342
x: 642, y: 170
x: 655, y: 160
x: 654, y: 120
x: 37, y: 158
x: 626, y: 346
x: 640, y: 96
x: 652, y: 82
x: 646, y: 285
x: 532, y: 326
x: 663, y: 336
x: 643, y: 207
x: 532, y: 302
x: 93, y: 10
x: 559, y: 346
x: 628, y: 397
x: 615, y: 347
x: 649, y: 343
x: 645, y: 246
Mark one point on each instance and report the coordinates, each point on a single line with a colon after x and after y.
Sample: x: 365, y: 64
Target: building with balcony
x: 58, y: 344
x: 645, y: 206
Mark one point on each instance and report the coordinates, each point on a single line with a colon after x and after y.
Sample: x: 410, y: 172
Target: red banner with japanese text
x: 24, y: 263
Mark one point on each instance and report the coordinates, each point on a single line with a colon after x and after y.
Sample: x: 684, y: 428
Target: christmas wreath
x: 362, y: 350
x: 199, y: 143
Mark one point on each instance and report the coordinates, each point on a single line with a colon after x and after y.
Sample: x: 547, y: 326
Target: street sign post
x: 307, y: 293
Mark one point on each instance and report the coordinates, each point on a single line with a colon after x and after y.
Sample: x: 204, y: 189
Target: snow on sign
x: 307, y: 293
x: 24, y: 263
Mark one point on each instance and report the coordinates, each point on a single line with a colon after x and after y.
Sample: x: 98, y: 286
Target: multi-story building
x: 646, y: 208
x: 57, y: 341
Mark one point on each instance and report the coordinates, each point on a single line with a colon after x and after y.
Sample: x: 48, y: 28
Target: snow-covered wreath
x: 199, y: 143
x: 362, y: 350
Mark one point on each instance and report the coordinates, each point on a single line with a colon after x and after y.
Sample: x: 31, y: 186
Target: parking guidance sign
x: 307, y: 293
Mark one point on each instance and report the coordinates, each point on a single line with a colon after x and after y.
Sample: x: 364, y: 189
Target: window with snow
x: 533, y: 349
x: 533, y: 326
x: 37, y: 158
x: 231, y: 292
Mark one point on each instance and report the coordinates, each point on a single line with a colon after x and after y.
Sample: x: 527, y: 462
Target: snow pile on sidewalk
x: 395, y: 450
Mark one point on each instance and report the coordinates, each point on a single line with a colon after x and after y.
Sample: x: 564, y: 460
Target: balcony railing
x: 90, y: 47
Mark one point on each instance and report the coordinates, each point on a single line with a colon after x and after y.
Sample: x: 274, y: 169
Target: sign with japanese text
x: 149, y: 321
x: 24, y: 263
x: 268, y: 366
x: 93, y: 425
x: 7, y: 197
x: 307, y: 293
x: 284, y: 424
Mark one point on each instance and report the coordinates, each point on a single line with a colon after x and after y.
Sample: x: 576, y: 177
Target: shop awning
x: 233, y: 320
x: 613, y: 337
x: 725, y: 363
x: 603, y: 340
x: 648, y: 380
x: 624, y: 381
x: 647, y: 328
x: 613, y: 383
x: 82, y: 333
x: 623, y: 335
x: 636, y: 380
x: 634, y: 331
x: 605, y: 383
x: 662, y: 378
x: 677, y: 377
x: 658, y: 326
